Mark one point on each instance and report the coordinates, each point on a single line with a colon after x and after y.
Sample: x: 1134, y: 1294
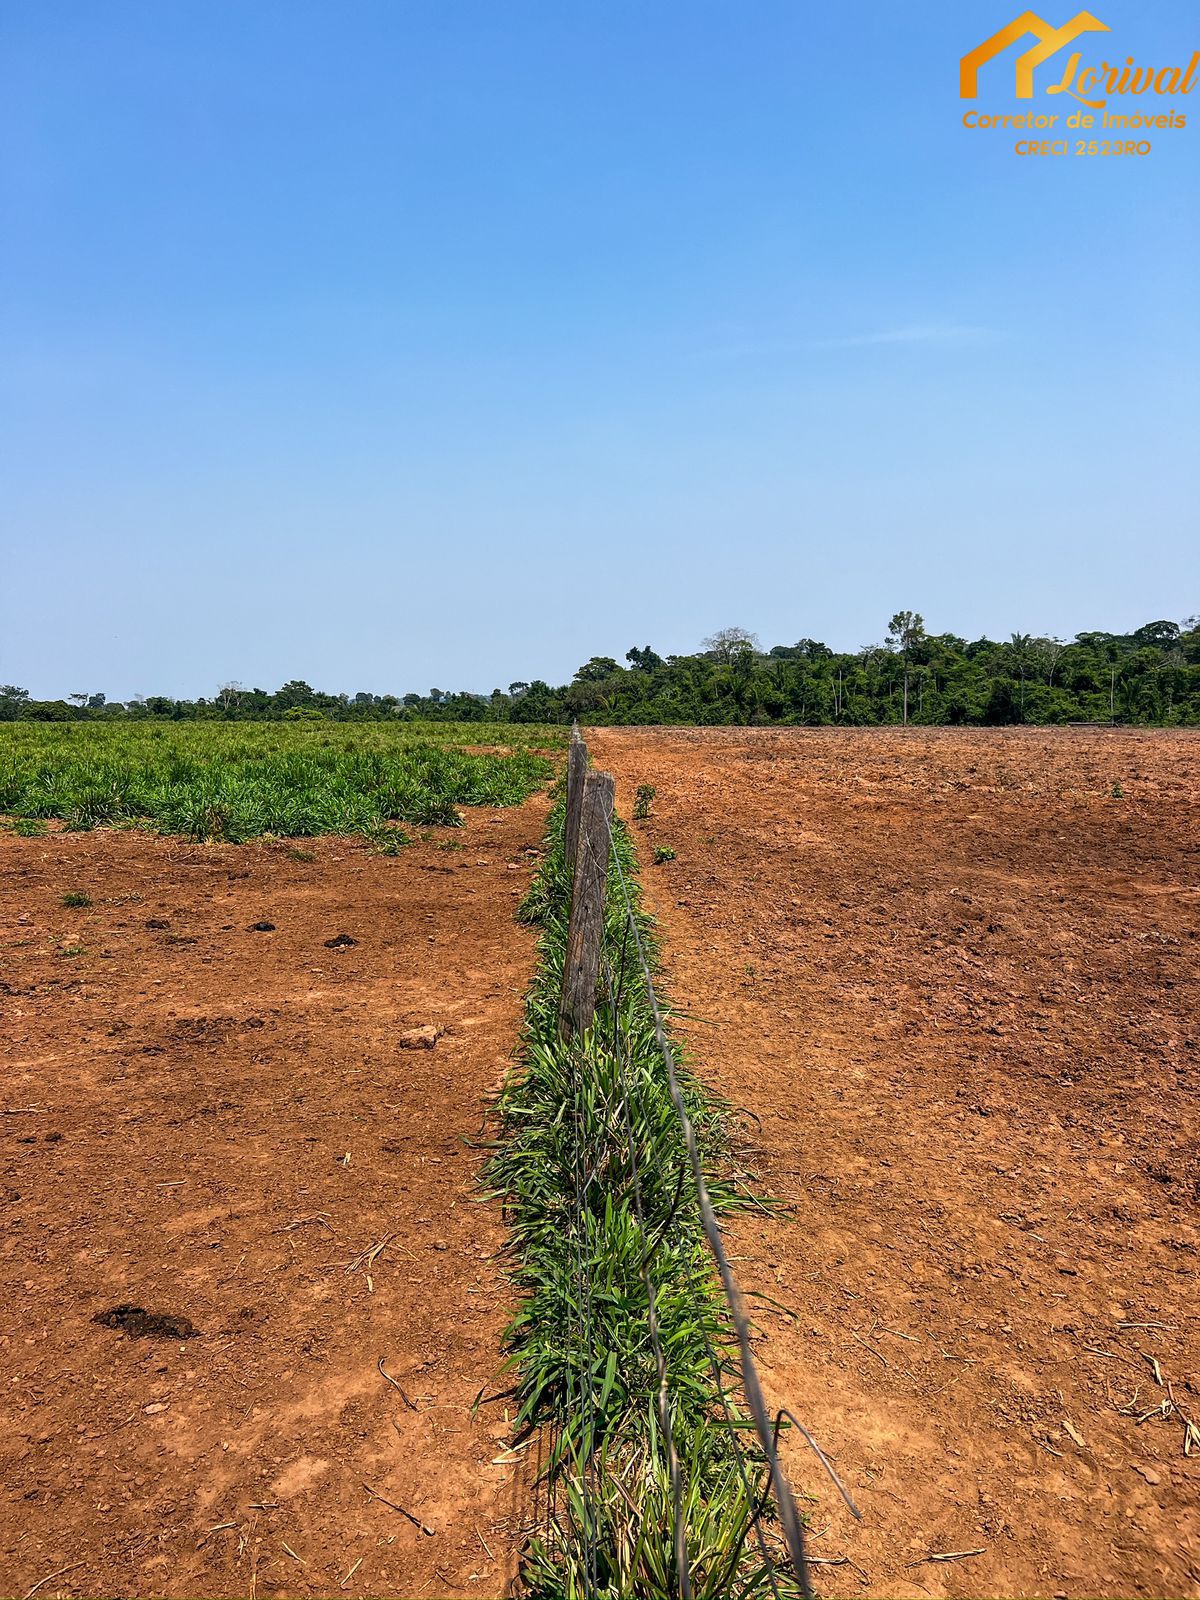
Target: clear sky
x: 399, y: 343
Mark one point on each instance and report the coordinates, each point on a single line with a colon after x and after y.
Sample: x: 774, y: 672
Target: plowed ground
x: 214, y: 1122
x: 956, y: 977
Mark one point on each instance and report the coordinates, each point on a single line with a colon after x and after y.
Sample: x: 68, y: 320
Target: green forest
x: 1150, y: 676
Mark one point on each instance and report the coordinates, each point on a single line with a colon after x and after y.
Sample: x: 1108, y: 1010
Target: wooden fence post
x: 585, y: 932
x: 577, y: 760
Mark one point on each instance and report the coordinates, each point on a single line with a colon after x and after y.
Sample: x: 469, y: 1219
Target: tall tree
x: 1049, y: 651
x: 730, y: 644
x: 906, y: 629
x: 1019, y: 645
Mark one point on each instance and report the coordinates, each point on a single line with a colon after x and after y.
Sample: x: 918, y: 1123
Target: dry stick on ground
x: 369, y: 1256
x: 840, y: 1561
x: 254, y: 1571
x: 321, y: 1218
x: 57, y: 1574
x: 383, y: 1499
x: 1166, y: 1409
x: 869, y: 1347
x: 217, y: 1527
x: 948, y: 1555
x: 395, y: 1385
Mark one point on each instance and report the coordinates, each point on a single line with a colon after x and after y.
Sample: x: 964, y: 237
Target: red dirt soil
x: 223, y: 1120
x: 955, y: 975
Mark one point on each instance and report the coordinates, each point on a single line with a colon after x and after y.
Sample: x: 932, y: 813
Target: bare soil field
x: 210, y: 1116
x: 955, y: 976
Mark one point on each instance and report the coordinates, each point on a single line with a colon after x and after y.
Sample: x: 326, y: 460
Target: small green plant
x: 663, y: 852
x: 643, y: 795
x: 29, y: 827
x: 71, y: 950
x: 1117, y: 792
x: 388, y: 841
x: 451, y: 844
x: 301, y: 855
x: 76, y: 897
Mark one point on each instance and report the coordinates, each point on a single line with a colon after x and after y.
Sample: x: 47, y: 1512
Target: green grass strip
x: 575, y: 1123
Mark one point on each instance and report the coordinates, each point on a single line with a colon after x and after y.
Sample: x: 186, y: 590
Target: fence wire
x: 789, y: 1517
x: 621, y: 1048
x: 633, y: 949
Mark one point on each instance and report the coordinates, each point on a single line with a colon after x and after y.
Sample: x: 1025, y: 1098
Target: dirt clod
x: 423, y: 1038
x: 340, y: 942
x: 140, y: 1324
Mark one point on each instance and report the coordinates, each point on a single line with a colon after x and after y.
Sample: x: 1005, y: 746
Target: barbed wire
x: 777, y: 1486
x: 624, y: 1054
x: 587, y: 1354
x: 789, y: 1518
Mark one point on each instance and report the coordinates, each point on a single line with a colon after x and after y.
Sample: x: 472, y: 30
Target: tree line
x: 1150, y: 676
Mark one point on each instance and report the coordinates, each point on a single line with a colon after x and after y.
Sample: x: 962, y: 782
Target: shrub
x: 643, y: 795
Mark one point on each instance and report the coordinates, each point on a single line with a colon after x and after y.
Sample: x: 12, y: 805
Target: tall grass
x: 592, y: 1247
x: 235, y: 782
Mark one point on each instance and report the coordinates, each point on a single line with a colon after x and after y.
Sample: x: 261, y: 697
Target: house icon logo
x: 1135, y: 85
x: 1049, y: 42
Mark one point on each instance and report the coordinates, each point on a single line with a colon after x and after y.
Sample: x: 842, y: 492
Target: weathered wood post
x: 585, y: 932
x: 577, y: 760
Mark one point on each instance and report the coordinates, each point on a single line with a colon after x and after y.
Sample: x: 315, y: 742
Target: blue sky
x: 392, y: 345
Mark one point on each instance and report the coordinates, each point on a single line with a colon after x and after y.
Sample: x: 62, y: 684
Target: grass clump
x: 239, y: 781
x: 76, y: 898
x: 593, y: 1247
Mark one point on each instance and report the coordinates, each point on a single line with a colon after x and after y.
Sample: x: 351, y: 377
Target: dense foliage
x: 220, y: 782
x: 1149, y: 676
